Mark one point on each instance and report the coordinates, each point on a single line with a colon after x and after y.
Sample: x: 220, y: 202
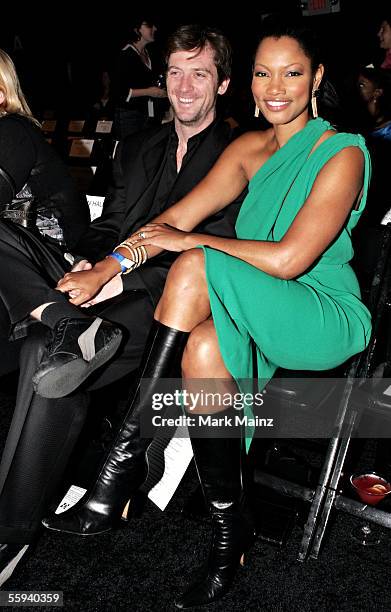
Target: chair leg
x: 317, y: 503
x: 329, y: 498
x: 319, y: 512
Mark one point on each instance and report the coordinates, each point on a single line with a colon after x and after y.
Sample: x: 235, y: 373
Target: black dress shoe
x: 10, y: 555
x: 78, y: 347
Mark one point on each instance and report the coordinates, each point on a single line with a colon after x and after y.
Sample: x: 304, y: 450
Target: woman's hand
x: 81, y: 286
x: 112, y: 288
x: 164, y: 237
x: 157, y: 92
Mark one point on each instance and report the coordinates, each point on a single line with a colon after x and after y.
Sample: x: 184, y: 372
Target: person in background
x: 36, y: 190
x: 102, y: 106
x: 39, y: 205
x: 384, y: 35
x: 152, y: 170
x: 374, y: 86
x: 136, y: 88
x: 280, y: 294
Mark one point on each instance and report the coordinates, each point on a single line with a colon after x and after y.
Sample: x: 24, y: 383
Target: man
x: 152, y: 170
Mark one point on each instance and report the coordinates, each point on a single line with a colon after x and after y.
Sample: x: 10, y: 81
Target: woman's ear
x: 318, y: 76
x: 2, y: 97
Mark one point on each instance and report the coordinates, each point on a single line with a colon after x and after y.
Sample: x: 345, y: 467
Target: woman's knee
x: 201, y: 349
x: 187, y: 271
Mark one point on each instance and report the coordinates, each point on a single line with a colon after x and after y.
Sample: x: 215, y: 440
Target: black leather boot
x: 218, y: 463
x: 125, y: 467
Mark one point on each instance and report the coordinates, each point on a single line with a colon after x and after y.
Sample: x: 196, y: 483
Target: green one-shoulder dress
x: 313, y: 322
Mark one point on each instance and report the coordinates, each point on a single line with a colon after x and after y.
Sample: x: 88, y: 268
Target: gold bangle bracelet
x: 126, y: 246
x: 139, y: 256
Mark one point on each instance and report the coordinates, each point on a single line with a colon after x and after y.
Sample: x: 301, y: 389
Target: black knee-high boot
x: 219, y: 465
x: 125, y: 467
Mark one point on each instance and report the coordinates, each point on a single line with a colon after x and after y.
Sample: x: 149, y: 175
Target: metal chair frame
x: 355, y: 398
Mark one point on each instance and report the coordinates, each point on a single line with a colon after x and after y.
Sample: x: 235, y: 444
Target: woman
x: 135, y: 84
x: 40, y: 212
x: 36, y: 189
x: 374, y: 86
x: 281, y: 294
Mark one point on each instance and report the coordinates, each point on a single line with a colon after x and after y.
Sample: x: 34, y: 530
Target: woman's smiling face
x: 283, y: 80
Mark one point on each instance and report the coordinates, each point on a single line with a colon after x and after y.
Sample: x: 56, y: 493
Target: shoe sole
x: 8, y: 570
x: 64, y: 380
x: 76, y: 533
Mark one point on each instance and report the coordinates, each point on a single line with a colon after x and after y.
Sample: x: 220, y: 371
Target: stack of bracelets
x: 138, y: 256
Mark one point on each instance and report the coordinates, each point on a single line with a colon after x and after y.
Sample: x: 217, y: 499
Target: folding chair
x: 356, y: 396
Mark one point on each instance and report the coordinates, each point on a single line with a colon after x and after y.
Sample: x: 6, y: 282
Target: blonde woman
x: 41, y: 213
x: 35, y: 187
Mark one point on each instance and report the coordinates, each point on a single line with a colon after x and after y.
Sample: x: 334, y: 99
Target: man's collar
x: 196, y: 137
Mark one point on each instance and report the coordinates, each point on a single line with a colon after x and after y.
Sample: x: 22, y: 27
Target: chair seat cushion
x: 303, y: 388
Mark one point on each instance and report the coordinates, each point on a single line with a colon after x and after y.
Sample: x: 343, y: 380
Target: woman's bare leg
x: 185, y: 306
x: 185, y: 300
x: 203, y: 369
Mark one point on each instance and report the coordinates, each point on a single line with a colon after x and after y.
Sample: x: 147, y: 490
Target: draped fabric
x: 313, y: 322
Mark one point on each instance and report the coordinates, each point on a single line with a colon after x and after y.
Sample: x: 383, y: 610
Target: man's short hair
x: 195, y: 36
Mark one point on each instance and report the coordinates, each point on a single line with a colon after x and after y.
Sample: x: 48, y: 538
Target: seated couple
x: 281, y: 293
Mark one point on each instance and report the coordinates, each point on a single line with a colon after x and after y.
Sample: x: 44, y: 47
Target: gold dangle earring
x: 256, y: 111
x: 314, y: 105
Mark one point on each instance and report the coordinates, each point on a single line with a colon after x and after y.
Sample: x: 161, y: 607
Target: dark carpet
x: 145, y: 564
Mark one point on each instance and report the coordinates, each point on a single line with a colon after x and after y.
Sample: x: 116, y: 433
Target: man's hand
x: 82, y: 265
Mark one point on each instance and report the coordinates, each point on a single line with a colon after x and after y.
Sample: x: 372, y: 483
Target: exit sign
x: 320, y: 7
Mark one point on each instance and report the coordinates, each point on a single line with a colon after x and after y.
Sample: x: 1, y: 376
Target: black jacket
x: 31, y: 171
x: 129, y: 201
x: 131, y: 72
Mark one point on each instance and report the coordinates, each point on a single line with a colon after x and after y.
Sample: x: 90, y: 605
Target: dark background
x: 71, y: 42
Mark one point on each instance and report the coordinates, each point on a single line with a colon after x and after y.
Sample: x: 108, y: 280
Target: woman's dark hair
x: 135, y: 24
x: 277, y: 26
x: 386, y: 16
x: 195, y: 36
